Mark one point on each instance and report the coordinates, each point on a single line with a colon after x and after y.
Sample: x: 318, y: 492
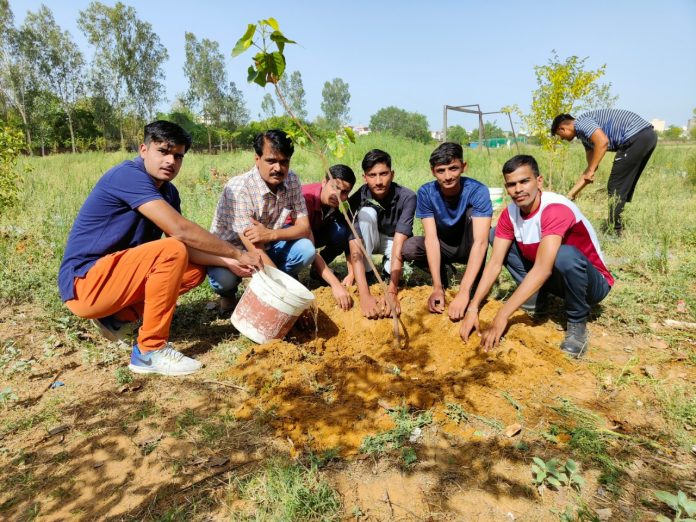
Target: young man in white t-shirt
x: 547, y: 245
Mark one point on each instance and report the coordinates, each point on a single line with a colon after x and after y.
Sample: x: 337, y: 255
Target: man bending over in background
x: 118, y: 269
x: 615, y: 130
x: 456, y: 214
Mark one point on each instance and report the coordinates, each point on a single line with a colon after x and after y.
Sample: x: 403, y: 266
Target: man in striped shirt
x: 252, y: 214
x: 615, y: 130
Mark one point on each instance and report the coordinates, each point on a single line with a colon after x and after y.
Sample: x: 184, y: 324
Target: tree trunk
x: 123, y: 140
x: 27, y: 132
x: 210, y: 142
x: 72, y: 132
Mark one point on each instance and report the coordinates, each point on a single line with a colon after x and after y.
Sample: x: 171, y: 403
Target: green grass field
x: 654, y: 263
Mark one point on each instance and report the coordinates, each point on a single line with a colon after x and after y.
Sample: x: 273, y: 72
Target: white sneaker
x: 165, y: 361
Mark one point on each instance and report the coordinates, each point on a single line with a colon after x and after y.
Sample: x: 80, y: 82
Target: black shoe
x: 576, y: 339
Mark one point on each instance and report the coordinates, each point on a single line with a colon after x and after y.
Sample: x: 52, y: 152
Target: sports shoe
x: 165, y: 361
x: 114, y: 329
x: 576, y: 339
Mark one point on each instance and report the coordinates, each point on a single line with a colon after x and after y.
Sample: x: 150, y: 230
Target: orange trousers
x: 140, y: 282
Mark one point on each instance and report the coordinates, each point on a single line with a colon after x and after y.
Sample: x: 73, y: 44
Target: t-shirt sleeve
x: 424, y: 203
x: 504, y: 229
x: 556, y: 220
x: 133, y: 186
x: 585, y: 127
x: 404, y: 223
x: 481, y: 202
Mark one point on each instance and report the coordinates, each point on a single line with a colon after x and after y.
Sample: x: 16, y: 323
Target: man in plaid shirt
x: 252, y: 213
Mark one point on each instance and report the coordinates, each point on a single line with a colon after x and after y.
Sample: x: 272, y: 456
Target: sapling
x: 268, y: 67
x: 552, y: 473
x: 680, y: 504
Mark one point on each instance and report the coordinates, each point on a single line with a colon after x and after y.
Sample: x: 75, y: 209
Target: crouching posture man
x: 117, y: 269
x: 456, y: 214
x: 330, y: 231
x: 263, y: 210
x: 548, y: 246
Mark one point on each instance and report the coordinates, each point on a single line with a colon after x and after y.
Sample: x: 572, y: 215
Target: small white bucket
x: 496, y: 197
x: 270, y: 305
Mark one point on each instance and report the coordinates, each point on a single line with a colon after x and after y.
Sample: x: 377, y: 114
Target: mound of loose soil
x: 333, y: 390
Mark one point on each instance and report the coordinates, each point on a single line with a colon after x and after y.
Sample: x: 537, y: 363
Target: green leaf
x: 554, y: 482
x: 571, y: 466
x: 662, y: 518
x: 279, y: 37
x: 349, y: 132
x: 245, y: 41
x: 668, y: 498
x: 272, y: 22
x: 252, y: 74
x: 539, y: 462
x: 688, y: 505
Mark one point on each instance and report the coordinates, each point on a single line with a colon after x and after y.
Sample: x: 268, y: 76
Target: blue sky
x: 420, y: 56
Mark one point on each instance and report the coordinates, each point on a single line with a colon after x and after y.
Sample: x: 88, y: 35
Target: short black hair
x: 375, y: 157
x: 521, y: 160
x: 277, y: 139
x: 446, y: 153
x: 558, y: 120
x: 343, y: 172
x: 163, y: 131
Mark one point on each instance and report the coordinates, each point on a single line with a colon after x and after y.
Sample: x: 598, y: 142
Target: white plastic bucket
x: 496, y: 197
x: 270, y: 305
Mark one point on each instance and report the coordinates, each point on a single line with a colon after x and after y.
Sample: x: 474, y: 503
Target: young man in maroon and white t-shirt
x: 548, y: 246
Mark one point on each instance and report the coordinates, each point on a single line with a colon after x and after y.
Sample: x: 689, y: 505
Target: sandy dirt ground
x: 94, y: 449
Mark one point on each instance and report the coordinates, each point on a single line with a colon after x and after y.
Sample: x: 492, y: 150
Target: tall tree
x: 235, y: 113
x: 128, y: 58
x: 268, y: 107
x: 58, y: 60
x: 17, y: 72
x: 401, y: 123
x: 564, y: 86
x: 294, y: 93
x: 205, y: 70
x: 335, y: 99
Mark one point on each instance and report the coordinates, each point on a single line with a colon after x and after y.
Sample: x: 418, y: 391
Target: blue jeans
x: 289, y: 256
x: 573, y: 278
x: 333, y: 236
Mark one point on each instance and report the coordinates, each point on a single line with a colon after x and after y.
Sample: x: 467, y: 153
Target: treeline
x: 62, y: 103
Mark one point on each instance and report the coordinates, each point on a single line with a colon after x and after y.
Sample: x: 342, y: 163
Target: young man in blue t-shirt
x: 456, y: 214
x: 117, y: 268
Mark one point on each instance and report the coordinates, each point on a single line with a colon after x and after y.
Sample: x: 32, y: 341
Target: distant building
x: 361, y: 130
x: 436, y: 135
x: 691, y: 124
x: 659, y: 125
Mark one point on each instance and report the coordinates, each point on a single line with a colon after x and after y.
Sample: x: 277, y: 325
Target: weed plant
x: 405, y: 424
x: 289, y: 491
